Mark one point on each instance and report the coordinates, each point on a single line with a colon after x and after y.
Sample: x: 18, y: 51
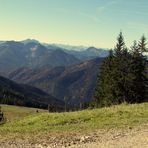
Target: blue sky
x: 76, y: 22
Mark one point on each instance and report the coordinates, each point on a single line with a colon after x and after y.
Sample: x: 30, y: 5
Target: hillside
x: 96, y: 127
x: 24, y: 95
x: 75, y: 83
x: 86, y: 120
x: 11, y: 56
x: 18, y: 112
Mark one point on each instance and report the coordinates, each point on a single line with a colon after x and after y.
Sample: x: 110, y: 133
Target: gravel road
x: 112, y: 138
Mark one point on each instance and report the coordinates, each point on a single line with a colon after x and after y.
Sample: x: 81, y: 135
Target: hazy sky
x: 76, y: 22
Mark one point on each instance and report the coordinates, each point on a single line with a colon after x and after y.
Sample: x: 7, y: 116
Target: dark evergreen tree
x: 103, y: 94
x: 120, y: 45
x: 138, y: 85
x: 121, y: 70
x: 142, y: 44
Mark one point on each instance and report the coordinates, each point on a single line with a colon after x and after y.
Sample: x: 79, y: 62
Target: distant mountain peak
x: 92, y: 48
x: 30, y: 41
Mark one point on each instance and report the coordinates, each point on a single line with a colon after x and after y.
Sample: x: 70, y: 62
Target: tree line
x: 123, y: 75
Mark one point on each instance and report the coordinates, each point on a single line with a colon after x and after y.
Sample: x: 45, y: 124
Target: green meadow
x: 27, y: 120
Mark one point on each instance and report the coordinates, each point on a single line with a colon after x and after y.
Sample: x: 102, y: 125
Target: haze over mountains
x: 65, y: 72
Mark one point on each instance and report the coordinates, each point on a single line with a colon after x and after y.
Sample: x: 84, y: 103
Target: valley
x: 76, y: 83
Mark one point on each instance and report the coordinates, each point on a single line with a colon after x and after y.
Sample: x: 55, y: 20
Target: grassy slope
x: 87, y: 120
x: 17, y: 112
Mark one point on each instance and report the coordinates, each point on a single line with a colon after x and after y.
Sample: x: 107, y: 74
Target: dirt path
x: 112, y: 138
x: 138, y: 139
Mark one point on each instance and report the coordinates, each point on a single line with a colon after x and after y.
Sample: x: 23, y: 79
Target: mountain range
x: 63, y: 73
x: 14, y: 55
x: 33, y: 54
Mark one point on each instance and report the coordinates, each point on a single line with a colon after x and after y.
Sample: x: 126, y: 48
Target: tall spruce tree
x: 139, y: 72
x: 121, y: 67
x: 142, y: 44
x: 104, y: 87
x: 120, y: 45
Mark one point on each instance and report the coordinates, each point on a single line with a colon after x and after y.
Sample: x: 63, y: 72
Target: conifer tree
x: 120, y: 70
x: 120, y: 45
x: 138, y: 72
x: 103, y: 94
x: 142, y: 44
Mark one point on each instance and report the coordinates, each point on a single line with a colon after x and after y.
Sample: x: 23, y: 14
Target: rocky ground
x: 113, y: 138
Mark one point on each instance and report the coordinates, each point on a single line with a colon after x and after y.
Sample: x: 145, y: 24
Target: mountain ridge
x: 24, y: 95
x: 75, y: 82
x: 14, y: 55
